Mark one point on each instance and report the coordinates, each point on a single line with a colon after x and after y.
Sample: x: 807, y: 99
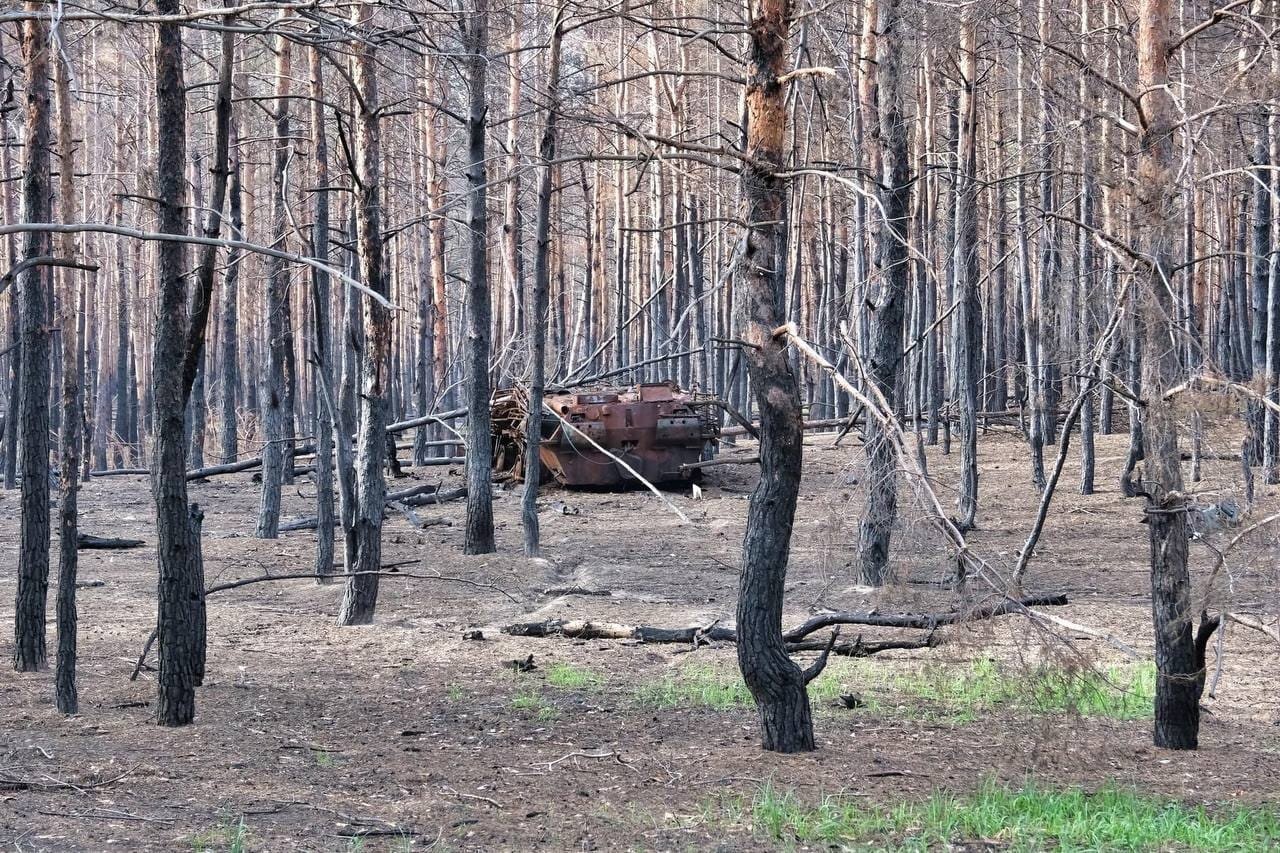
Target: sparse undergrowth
x: 1025, y: 819
x: 951, y: 693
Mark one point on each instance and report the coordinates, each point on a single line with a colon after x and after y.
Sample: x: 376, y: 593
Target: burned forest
x: 654, y: 424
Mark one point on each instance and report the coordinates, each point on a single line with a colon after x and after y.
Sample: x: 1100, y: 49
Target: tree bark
x: 69, y: 432
x: 181, y: 588
x: 364, y: 539
x: 886, y: 136
x: 775, y: 681
x: 37, y: 191
x: 1177, y: 702
x: 479, y: 533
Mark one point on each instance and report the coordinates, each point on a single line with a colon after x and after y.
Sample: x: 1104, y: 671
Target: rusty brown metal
x: 655, y: 428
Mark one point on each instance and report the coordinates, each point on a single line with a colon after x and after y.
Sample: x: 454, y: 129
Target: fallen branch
x: 421, y: 495
x: 712, y: 463
x: 582, y: 629
x: 89, y: 542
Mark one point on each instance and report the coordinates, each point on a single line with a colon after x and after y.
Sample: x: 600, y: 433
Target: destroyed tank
x: 656, y: 429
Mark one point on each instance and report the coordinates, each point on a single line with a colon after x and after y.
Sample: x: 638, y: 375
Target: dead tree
x: 365, y: 535
x: 180, y: 587
x: 479, y: 534
x: 277, y: 412
x: 322, y: 335
x: 37, y: 192
x: 537, y: 311
x: 776, y: 683
x: 70, y: 430
x: 886, y: 135
x: 968, y: 323
x: 1179, y: 681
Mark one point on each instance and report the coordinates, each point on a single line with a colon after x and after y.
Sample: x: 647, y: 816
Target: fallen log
x: 436, y: 418
x: 587, y: 630
x: 420, y: 495
x: 825, y: 423
x: 928, y: 621
x: 89, y: 542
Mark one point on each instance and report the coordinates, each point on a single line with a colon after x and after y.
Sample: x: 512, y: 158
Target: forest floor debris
x: 613, y: 743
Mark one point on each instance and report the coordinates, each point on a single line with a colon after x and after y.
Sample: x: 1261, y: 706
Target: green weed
x: 1027, y: 818
x: 570, y: 677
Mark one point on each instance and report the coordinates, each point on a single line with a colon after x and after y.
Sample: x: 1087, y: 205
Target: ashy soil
x: 406, y: 735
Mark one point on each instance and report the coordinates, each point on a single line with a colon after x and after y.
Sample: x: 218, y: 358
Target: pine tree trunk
x: 537, y: 313
x: 1179, y: 679
x: 181, y: 589
x: 885, y: 136
x: 775, y: 682
x: 37, y: 192
x: 69, y: 433
x: 479, y: 533
x: 322, y: 354
x: 364, y: 540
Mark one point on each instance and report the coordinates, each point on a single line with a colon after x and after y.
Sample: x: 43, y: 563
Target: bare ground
x: 405, y: 733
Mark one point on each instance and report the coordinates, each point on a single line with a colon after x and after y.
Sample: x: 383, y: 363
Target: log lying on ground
x: 588, y: 630
x: 420, y: 495
x: 89, y: 542
x: 698, y: 636
x: 826, y: 423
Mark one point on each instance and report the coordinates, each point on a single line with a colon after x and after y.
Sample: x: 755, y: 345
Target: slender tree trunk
x: 37, y: 192
x: 322, y: 354
x: 538, y: 303
x: 479, y: 534
x: 886, y: 137
x: 180, y: 587
x: 1180, y: 678
x: 228, y: 334
x: 69, y: 433
x: 968, y: 356
x: 776, y: 683
x: 276, y: 409
x: 365, y: 536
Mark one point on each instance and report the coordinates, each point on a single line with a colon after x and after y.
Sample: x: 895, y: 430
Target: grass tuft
x: 957, y: 694
x: 1024, y: 819
x: 570, y: 677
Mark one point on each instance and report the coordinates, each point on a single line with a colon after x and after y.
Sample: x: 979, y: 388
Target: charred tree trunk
x: 322, y: 354
x: 537, y: 314
x: 181, y: 589
x: 37, y: 192
x: 365, y: 536
x: 1177, y: 703
x: 276, y: 408
x: 886, y: 131
x: 775, y: 681
x: 70, y: 434
x: 479, y: 534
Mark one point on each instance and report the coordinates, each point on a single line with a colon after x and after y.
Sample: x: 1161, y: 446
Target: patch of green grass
x: 455, y: 693
x: 1027, y: 818
x: 721, y: 689
x: 225, y: 838
x: 961, y: 694
x: 323, y: 758
x: 958, y: 694
x: 570, y: 677
x: 532, y: 701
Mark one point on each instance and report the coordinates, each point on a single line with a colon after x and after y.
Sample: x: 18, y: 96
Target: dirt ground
x: 405, y: 735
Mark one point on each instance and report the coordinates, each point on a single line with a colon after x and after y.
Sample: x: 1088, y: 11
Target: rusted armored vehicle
x: 656, y: 429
